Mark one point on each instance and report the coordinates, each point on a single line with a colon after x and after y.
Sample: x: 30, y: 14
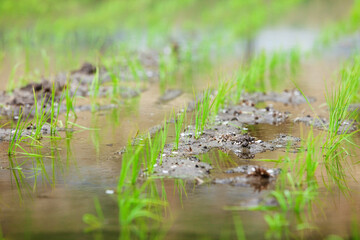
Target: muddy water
x: 87, y: 164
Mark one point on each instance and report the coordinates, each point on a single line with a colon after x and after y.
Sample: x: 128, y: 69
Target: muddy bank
x: 84, y: 82
x: 287, y: 97
x: 226, y: 134
x: 7, y: 134
x: 323, y: 124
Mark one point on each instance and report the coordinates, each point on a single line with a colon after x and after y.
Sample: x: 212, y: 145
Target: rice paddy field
x: 192, y: 119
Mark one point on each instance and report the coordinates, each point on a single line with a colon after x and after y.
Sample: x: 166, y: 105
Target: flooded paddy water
x: 248, y: 170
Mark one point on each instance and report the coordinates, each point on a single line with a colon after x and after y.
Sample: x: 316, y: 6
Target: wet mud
x: 225, y: 134
x: 7, y: 134
x: 287, y: 97
x: 323, y: 123
x: 257, y: 177
x: 78, y: 82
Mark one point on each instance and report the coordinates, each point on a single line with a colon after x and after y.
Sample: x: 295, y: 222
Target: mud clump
x: 78, y: 82
x: 169, y: 95
x: 182, y: 167
x: 247, y: 113
x: 259, y: 178
x: 226, y: 136
x: 287, y: 97
x: 323, y: 124
x: 8, y: 134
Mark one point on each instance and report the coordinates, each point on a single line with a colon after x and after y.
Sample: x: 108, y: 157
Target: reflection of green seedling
x: 94, y: 222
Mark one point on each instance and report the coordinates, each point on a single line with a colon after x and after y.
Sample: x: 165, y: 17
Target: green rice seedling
x: 306, y: 161
x: 20, y: 127
x: 222, y: 95
x: 70, y: 102
x: 179, y: 123
x: 255, y: 77
x: 137, y: 71
x: 94, y: 89
x: 153, y: 151
x: 277, y: 69
x: 310, y: 158
x: 167, y: 70
x: 274, y: 61
x: 130, y: 165
x: 46, y: 61
x: 202, y: 112
x: 18, y: 131
x: 11, y: 82
x: 163, y: 133
x: 295, y: 57
x: 115, y: 86
x: 239, y: 82
x: 131, y: 200
x: 346, y: 26
x: 40, y: 117
x: 333, y: 150
x: 133, y: 206
x: 54, y: 115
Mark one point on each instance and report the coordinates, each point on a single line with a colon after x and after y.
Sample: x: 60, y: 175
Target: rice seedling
x: 136, y: 70
x: 70, y: 102
x: 134, y: 204
x: 94, y: 89
x: 131, y: 163
x: 222, y: 95
x: 46, y: 60
x: 40, y: 117
x: 346, y: 26
x: 202, y: 112
x: 115, y: 86
x: 239, y: 80
x: 179, y: 123
x: 295, y: 57
x: 163, y: 133
x: 54, y: 116
x: 11, y: 82
x: 338, y: 134
x: 153, y: 151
